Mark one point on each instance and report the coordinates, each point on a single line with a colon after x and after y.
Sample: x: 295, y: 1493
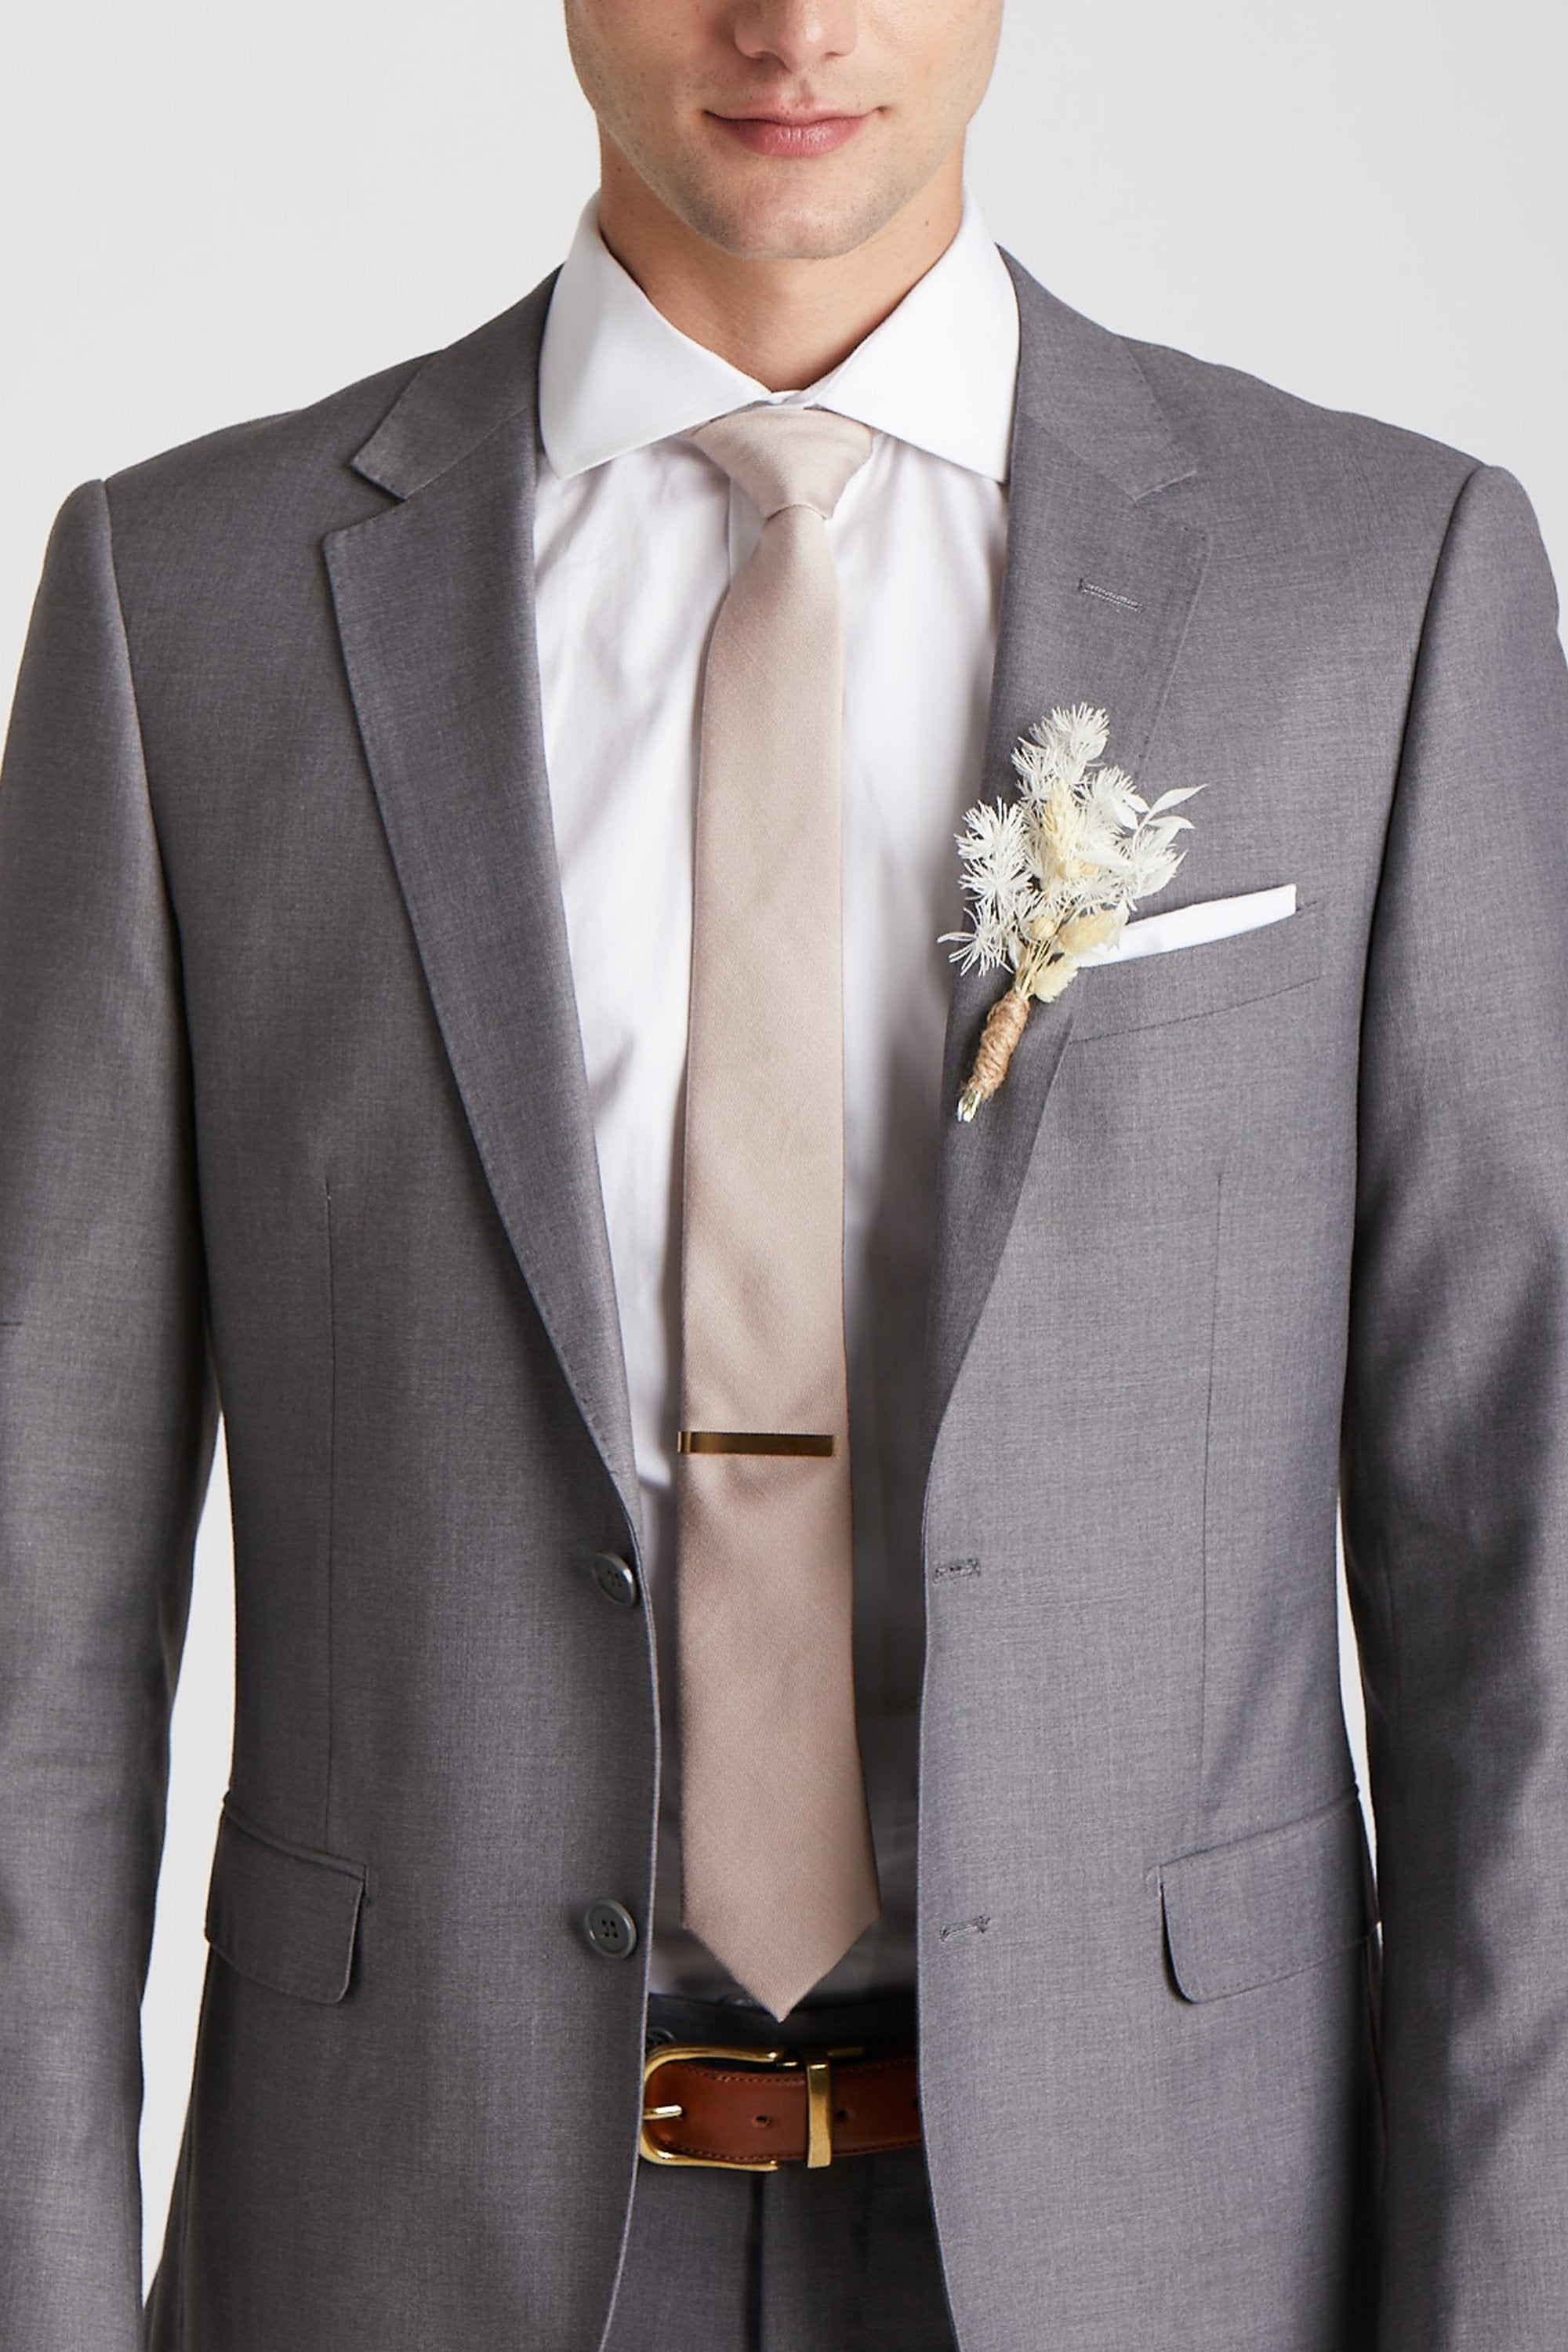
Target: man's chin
x: 773, y: 227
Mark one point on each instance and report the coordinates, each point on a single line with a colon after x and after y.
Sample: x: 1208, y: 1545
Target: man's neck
x: 785, y: 324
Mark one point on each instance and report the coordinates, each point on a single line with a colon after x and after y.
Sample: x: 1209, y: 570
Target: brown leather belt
x: 754, y: 2110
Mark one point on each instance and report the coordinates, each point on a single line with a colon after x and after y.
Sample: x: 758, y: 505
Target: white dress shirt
x: 637, y: 536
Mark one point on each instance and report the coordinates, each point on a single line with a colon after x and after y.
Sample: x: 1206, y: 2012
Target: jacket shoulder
x: 1325, y: 469
x: 1280, y: 479
x: 279, y: 473
x: 254, y: 469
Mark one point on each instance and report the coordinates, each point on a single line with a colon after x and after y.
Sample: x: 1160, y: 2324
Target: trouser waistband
x: 875, y: 2021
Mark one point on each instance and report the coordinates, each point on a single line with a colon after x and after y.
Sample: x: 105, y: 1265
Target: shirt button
x: 615, y: 1579
x: 610, y: 1930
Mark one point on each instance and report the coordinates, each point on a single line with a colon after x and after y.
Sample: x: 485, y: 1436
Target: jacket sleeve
x: 107, y: 1424
x: 1454, y: 1472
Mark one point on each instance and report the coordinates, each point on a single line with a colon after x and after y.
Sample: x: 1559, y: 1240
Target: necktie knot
x: 787, y: 456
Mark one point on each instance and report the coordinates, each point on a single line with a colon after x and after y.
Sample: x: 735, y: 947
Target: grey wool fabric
x: 292, y: 1115
x: 842, y: 2260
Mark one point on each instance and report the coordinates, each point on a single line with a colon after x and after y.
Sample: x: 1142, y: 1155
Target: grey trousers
x: 838, y: 2260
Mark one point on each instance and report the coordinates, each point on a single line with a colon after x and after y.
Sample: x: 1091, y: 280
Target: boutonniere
x: 1054, y: 874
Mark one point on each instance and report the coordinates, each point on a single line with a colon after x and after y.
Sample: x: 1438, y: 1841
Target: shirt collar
x: 940, y: 371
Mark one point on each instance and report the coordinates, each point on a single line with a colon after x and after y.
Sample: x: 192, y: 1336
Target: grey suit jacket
x: 292, y: 1114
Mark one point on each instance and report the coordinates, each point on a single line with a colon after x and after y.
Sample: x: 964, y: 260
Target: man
x: 471, y: 859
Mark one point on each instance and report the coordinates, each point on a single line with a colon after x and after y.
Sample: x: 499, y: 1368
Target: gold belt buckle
x: 671, y: 2054
x: 818, y: 2103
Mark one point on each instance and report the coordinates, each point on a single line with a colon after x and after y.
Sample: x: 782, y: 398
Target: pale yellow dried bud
x: 1086, y: 931
x: 1049, y: 983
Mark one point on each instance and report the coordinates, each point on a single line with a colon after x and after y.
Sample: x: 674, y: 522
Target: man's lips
x: 784, y: 134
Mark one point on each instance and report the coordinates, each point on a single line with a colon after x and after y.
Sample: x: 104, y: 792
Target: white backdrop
x: 214, y: 212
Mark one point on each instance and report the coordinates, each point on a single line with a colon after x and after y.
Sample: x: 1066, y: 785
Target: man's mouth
x: 797, y: 134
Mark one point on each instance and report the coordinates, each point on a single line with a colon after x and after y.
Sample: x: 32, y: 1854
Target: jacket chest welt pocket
x: 1186, y: 984
x: 1267, y: 1907
x: 282, y: 1915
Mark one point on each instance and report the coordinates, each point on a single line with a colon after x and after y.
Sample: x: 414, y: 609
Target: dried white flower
x: 1056, y: 873
x: 998, y: 879
x: 1058, y: 749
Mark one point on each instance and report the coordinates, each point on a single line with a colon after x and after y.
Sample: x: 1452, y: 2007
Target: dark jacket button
x: 610, y: 1930
x: 615, y: 1579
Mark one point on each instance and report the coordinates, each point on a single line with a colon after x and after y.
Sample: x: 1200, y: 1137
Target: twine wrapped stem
x: 1003, y: 1027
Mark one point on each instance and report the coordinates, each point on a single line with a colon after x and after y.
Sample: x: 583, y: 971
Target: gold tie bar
x: 754, y: 1440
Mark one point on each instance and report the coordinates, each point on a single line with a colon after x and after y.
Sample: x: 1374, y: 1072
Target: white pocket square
x: 1195, y: 927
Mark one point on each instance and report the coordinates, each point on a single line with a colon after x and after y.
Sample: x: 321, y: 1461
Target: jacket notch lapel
x: 1101, y: 574
x: 434, y: 600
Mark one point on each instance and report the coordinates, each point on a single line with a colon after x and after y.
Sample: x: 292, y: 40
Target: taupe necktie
x: 779, y: 1878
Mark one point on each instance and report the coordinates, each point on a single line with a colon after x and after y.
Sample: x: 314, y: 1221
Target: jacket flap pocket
x: 1214, y: 976
x: 282, y: 1915
x: 1246, y: 1914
